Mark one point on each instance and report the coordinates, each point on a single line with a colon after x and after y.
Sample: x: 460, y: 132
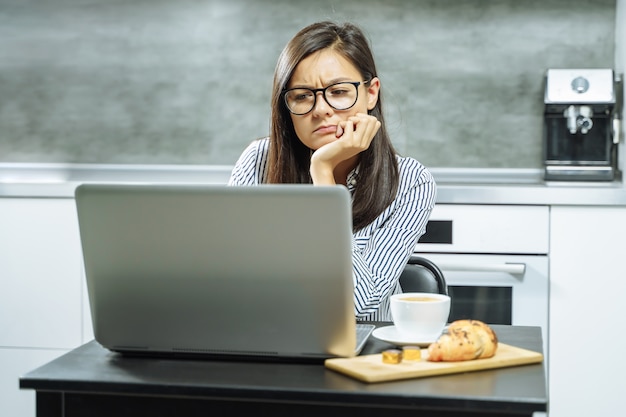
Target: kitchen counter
x: 455, y: 185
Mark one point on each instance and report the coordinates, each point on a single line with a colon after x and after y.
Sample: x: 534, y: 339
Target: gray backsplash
x: 188, y: 81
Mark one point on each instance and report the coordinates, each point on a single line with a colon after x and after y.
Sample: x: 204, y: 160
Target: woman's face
x: 319, y: 70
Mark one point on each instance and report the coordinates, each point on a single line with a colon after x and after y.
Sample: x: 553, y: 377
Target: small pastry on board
x: 464, y: 340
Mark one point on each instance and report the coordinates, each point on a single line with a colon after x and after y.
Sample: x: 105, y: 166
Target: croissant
x: 464, y: 340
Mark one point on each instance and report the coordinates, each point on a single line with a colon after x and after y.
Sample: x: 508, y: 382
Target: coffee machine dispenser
x: 581, y: 125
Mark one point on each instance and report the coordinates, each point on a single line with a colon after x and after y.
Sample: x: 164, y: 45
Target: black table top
x: 92, y: 368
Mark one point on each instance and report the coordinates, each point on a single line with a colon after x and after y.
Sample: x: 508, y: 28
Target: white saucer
x: 390, y: 334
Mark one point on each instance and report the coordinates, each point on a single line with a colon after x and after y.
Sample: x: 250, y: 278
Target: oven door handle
x: 507, y: 267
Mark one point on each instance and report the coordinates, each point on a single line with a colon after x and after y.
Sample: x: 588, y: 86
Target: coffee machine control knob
x: 580, y: 85
x: 584, y: 124
x: 579, y: 119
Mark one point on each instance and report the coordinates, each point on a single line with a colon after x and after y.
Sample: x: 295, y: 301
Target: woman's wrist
x: 321, y: 173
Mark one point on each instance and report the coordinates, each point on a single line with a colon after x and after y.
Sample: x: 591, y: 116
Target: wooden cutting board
x: 370, y: 368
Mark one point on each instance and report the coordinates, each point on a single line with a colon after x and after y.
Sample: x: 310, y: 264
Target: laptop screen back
x: 261, y: 271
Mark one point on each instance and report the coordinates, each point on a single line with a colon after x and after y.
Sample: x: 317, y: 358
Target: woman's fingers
x: 339, y: 132
x: 362, y: 128
x: 360, y: 119
x: 354, y: 135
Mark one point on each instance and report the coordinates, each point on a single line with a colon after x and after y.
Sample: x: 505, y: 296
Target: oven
x: 495, y: 261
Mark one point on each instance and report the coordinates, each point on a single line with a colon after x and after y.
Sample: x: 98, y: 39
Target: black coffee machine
x: 581, y: 125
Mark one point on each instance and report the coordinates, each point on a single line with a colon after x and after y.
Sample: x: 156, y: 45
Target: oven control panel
x: 506, y: 229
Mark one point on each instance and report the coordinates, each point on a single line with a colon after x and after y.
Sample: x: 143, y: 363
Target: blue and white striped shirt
x: 381, y: 250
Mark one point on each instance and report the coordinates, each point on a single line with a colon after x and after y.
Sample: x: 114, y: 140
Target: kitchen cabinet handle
x: 509, y: 268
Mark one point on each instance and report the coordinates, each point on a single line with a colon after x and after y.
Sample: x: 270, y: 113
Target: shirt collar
x: 351, y: 181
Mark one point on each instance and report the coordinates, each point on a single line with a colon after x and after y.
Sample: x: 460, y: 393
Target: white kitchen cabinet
x: 41, y: 292
x: 587, y: 290
x: 40, y: 274
x: 13, y: 364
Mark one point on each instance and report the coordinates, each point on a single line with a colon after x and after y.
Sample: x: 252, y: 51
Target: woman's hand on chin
x: 353, y: 137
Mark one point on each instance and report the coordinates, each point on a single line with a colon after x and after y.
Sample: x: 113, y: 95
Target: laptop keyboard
x: 363, y: 332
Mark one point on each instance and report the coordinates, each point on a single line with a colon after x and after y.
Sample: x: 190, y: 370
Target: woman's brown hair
x: 289, y: 158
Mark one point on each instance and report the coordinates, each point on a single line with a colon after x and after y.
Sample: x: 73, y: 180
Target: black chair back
x: 423, y: 275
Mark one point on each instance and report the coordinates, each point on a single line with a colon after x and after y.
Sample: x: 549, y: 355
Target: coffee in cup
x: 420, y: 316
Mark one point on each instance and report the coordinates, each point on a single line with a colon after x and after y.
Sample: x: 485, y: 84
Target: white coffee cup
x: 420, y: 316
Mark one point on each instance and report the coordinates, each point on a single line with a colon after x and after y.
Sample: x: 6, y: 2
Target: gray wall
x: 188, y: 81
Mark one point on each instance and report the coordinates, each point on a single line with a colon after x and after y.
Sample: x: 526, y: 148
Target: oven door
x: 497, y: 289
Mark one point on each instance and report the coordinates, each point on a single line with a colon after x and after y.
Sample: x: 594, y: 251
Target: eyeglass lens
x: 340, y: 96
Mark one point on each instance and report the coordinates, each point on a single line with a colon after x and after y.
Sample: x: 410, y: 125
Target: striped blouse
x: 381, y: 250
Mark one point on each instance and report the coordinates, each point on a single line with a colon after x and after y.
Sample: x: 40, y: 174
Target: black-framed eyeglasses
x: 339, y: 96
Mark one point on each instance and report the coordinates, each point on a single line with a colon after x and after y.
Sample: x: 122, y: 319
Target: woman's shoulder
x: 255, y: 153
x: 251, y: 167
x: 258, y: 146
x: 412, y: 171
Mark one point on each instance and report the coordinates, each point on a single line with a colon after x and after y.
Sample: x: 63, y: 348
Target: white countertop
x: 455, y: 185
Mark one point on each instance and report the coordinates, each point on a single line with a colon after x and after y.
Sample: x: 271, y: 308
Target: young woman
x: 327, y: 128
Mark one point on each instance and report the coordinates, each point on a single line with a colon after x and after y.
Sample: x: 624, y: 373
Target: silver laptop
x: 214, y: 270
